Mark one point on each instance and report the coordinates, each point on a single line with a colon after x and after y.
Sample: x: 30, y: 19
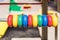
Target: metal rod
x: 20, y: 3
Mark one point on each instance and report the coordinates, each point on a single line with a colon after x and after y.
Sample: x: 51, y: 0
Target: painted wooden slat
x: 26, y: 39
x: 51, y: 33
x: 40, y: 31
x: 58, y: 29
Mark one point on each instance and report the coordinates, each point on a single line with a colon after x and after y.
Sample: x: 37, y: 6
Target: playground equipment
x: 29, y: 20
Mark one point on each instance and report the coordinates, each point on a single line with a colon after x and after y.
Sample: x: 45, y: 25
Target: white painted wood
x: 51, y: 33
x: 40, y: 31
x: 4, y: 1
x: 19, y: 1
x: 58, y: 30
x: 4, y: 11
x: 26, y: 1
x: 26, y: 39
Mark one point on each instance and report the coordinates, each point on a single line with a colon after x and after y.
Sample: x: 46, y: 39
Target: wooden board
x: 26, y: 39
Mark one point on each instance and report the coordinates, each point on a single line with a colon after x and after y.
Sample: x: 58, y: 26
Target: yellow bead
x: 3, y: 28
x: 1, y: 36
x: 15, y: 20
x: 35, y: 21
x: 54, y: 20
x: 51, y: 12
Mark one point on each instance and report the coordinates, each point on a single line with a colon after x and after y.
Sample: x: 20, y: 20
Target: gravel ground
x: 21, y: 33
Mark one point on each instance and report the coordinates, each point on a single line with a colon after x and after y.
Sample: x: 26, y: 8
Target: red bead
x: 49, y: 20
x: 9, y: 20
x: 30, y: 20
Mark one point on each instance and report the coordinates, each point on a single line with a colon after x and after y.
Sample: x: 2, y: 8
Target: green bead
x: 20, y: 20
x: 39, y: 20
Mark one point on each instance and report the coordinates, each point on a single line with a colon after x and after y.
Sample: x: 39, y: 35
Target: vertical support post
x: 55, y: 3
x: 56, y: 33
x: 44, y: 11
x: 58, y: 5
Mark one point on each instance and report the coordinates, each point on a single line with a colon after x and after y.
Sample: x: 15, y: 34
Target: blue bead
x: 25, y: 20
x: 45, y: 20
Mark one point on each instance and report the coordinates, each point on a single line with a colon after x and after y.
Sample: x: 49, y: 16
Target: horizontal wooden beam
x: 20, y: 3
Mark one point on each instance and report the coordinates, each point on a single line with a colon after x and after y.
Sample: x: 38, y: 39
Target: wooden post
x: 58, y: 5
x: 44, y: 11
x: 56, y: 33
x: 55, y: 1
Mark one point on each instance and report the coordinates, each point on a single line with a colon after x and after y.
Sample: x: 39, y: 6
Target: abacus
x: 30, y: 20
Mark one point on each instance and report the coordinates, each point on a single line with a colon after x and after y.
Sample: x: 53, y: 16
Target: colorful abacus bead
x: 39, y: 20
x: 25, y: 20
x: 35, y: 21
x: 9, y: 20
x: 54, y: 20
x: 30, y: 20
x: 45, y: 20
x: 20, y: 20
x: 49, y: 20
x: 15, y: 20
